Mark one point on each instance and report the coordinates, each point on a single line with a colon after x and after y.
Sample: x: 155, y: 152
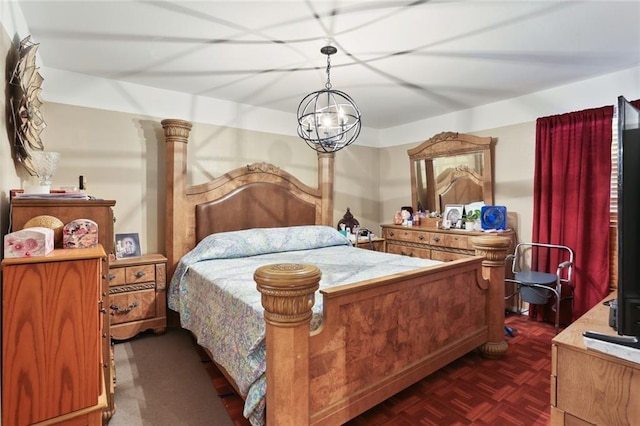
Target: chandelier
x: 328, y: 120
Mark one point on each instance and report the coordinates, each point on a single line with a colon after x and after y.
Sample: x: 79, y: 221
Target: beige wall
x: 513, y: 172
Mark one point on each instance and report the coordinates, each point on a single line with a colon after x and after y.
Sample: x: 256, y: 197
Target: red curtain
x: 571, y: 203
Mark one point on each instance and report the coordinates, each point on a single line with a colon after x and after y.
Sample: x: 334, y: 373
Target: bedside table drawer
x: 132, y: 274
x: 132, y: 305
x: 117, y: 276
x: 140, y: 273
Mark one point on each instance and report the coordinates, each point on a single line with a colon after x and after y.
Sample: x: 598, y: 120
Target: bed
x: 376, y: 335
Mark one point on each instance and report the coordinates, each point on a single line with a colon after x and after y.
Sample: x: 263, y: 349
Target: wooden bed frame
x: 378, y: 336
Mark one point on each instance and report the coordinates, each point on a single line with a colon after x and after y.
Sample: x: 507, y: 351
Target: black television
x: 625, y: 309
x: 628, y: 309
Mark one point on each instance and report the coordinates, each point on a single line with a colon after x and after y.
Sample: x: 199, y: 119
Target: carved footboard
x: 378, y: 336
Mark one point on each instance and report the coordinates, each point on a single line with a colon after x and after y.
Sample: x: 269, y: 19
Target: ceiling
x: 401, y: 61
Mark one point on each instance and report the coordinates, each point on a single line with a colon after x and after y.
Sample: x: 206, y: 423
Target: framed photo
x: 453, y: 213
x: 127, y: 245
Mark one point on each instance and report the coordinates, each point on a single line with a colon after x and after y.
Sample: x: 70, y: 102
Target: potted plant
x: 471, y: 218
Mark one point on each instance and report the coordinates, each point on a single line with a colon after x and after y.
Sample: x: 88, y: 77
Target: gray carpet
x: 161, y: 381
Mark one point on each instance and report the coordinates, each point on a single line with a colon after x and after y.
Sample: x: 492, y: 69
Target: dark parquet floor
x: 511, y: 391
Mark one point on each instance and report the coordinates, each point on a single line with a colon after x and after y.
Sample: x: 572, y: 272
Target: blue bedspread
x: 214, y: 292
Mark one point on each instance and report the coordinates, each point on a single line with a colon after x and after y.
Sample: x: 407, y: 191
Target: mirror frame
x: 447, y: 144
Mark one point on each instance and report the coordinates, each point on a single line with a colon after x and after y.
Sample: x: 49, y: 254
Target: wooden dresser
x: 137, y: 287
x: 434, y: 243
x: 52, y: 324
x: 101, y: 212
x: 590, y: 387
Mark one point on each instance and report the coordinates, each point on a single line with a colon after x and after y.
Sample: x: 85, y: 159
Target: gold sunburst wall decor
x: 27, y: 119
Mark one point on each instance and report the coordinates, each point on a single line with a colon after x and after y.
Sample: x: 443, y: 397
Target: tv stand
x: 591, y: 387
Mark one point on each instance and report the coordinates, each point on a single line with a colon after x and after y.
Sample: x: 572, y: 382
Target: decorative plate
x: 493, y: 217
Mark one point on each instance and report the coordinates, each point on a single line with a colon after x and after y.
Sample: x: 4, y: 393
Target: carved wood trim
x: 132, y: 287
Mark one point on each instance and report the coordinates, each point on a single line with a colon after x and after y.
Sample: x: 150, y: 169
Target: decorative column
x: 287, y: 296
x: 176, y: 134
x: 325, y: 182
x: 494, y: 250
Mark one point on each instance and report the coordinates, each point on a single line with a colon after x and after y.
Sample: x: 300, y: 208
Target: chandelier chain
x: 328, y: 84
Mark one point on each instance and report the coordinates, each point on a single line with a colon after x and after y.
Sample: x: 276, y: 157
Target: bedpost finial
x: 493, y: 248
x: 287, y: 292
x: 176, y: 130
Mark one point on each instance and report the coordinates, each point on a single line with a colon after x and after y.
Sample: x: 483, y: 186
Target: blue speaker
x: 493, y: 217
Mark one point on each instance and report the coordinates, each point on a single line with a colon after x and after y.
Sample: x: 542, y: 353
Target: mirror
x: 451, y: 168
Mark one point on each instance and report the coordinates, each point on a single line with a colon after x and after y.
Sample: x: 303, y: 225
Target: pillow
x: 252, y: 242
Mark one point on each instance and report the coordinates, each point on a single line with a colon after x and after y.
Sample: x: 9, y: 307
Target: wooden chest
x: 67, y: 210
x: 52, y: 338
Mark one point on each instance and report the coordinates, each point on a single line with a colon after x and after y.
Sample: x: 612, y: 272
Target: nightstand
x: 137, y: 291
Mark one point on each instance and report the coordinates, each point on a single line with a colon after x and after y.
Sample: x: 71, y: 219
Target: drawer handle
x: 391, y: 233
x: 118, y: 310
x: 140, y: 274
x: 436, y: 239
x: 421, y: 237
x: 111, y: 277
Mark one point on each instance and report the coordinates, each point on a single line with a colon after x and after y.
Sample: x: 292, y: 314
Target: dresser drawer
x: 409, y: 235
x: 408, y: 251
x: 447, y: 256
x: 132, y: 306
x: 451, y: 240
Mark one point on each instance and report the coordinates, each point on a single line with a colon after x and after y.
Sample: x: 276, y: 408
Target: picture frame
x: 453, y: 213
x: 127, y: 245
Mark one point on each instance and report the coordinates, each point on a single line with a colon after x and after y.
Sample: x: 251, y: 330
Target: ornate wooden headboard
x: 258, y: 195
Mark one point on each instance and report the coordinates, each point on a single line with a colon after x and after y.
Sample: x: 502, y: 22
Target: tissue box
x: 80, y: 233
x: 29, y: 242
